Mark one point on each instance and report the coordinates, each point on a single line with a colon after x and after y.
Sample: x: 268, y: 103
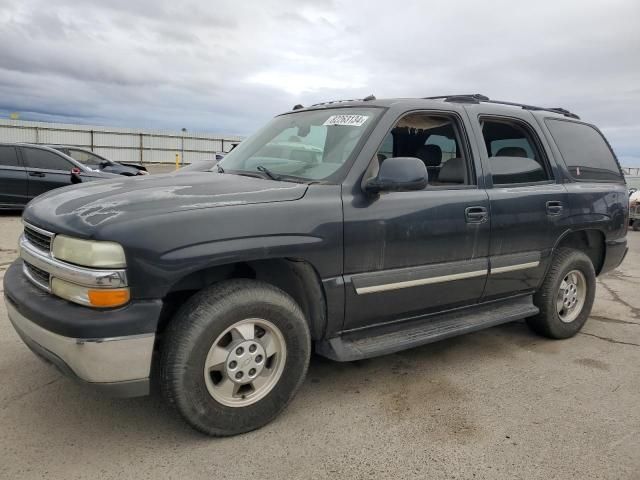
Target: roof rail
x: 461, y: 98
x: 365, y: 99
x: 477, y: 98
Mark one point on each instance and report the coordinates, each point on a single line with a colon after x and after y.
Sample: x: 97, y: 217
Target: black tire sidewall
x: 548, y: 322
x: 203, y: 320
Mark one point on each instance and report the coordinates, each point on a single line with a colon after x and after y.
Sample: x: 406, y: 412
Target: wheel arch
x: 591, y: 241
x: 296, y: 277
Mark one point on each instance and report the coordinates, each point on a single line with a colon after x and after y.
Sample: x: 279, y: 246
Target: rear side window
x: 37, y: 158
x: 514, y: 155
x: 8, y: 156
x: 584, y: 150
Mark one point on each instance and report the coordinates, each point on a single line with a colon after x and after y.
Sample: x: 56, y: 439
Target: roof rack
x: 477, y: 98
x: 365, y: 99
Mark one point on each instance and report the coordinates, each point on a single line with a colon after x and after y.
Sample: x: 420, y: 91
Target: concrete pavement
x: 502, y: 403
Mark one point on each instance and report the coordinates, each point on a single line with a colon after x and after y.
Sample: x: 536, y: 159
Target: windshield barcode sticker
x: 346, y: 120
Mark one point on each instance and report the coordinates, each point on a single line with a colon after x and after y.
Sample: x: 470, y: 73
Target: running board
x: 393, y: 338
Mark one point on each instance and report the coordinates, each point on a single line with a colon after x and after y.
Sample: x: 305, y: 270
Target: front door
x: 408, y: 254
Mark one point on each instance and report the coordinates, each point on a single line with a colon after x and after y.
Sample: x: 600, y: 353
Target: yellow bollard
x: 177, y: 161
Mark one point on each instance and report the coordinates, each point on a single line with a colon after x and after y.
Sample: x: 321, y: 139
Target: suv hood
x: 129, y: 198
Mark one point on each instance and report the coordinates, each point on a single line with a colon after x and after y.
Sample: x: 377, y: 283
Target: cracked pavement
x: 501, y: 403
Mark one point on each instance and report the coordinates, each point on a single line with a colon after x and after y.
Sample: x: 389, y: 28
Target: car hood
x: 120, y: 169
x: 72, y: 209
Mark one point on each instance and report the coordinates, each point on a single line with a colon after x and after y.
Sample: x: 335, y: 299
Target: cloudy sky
x: 228, y: 66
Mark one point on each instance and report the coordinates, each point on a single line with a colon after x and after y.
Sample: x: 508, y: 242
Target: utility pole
x: 184, y: 130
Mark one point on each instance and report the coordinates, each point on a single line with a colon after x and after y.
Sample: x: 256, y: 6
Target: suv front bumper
x: 108, y: 349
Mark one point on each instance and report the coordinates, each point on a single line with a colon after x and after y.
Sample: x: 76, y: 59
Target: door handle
x: 554, y: 207
x: 36, y: 174
x: 476, y: 214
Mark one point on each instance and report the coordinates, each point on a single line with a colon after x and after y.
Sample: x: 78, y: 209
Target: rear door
x: 13, y: 178
x: 46, y: 170
x: 528, y: 204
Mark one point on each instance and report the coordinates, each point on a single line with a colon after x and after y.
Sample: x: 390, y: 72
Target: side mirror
x: 398, y: 174
x: 104, y: 164
x: 75, y: 175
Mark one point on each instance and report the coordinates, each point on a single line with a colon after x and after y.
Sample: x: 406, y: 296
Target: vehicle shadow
x: 73, y: 413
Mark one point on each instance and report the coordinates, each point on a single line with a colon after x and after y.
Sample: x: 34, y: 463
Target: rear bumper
x: 614, y: 254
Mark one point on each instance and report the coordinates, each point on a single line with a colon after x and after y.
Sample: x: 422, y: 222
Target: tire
x: 635, y: 225
x: 549, y: 322
x: 206, y: 401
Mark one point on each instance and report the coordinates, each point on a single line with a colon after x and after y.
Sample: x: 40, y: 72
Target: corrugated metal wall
x: 121, y: 144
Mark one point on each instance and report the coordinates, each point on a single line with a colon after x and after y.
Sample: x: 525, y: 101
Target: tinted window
x: 584, y: 150
x: 37, y: 158
x: 514, y: 156
x: 8, y: 156
x: 435, y: 140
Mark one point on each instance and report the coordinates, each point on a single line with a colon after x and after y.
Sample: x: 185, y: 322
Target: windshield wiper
x: 268, y: 173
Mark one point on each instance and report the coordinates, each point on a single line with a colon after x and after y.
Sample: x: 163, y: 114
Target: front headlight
x: 88, y: 253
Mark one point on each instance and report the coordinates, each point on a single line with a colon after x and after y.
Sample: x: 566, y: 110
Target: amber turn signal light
x: 108, y: 297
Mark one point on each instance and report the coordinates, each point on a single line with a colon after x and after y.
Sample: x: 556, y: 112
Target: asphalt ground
x: 501, y: 403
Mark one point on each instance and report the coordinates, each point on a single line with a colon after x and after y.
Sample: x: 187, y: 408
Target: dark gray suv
x: 352, y: 229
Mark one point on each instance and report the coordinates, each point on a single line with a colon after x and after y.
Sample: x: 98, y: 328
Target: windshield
x: 86, y: 158
x: 311, y: 145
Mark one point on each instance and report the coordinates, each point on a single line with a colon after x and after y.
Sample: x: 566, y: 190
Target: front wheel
x: 566, y: 296
x: 234, y: 356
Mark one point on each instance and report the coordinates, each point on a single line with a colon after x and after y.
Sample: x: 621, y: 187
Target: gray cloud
x: 229, y: 66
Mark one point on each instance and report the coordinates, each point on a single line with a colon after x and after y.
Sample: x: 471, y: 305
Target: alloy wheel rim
x: 571, y: 296
x: 245, y: 362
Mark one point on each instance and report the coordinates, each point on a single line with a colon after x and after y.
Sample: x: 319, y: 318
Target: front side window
x: 434, y: 139
x: 310, y: 145
x: 584, y: 150
x: 514, y: 155
x: 37, y: 158
x: 8, y: 156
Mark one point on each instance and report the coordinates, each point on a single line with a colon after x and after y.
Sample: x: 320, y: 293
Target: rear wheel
x: 635, y: 225
x: 566, y: 296
x: 234, y: 356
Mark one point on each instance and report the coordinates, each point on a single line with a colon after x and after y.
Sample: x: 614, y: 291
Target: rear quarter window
x: 585, y: 151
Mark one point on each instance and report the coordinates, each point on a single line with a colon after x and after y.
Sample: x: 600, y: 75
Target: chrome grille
x: 37, y: 275
x: 38, y: 238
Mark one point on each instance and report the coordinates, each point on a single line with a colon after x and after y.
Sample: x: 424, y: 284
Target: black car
x: 27, y: 171
x: 96, y: 162
x: 352, y: 229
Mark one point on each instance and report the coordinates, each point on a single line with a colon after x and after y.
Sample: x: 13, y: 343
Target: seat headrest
x: 512, y: 152
x: 431, y: 155
x: 452, y: 171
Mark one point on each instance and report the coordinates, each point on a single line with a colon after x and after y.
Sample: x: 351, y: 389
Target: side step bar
x: 401, y: 336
